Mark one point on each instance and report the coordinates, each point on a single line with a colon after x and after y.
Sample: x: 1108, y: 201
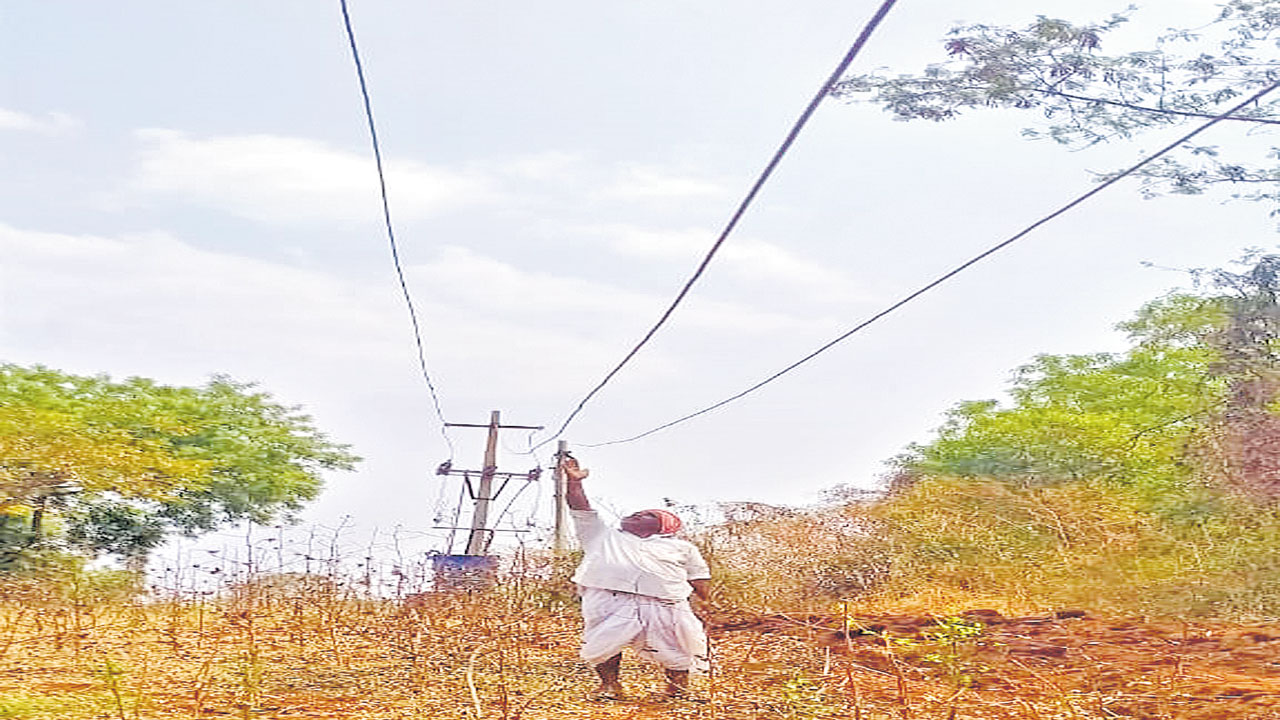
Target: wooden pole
x: 478, y: 542
x: 480, y: 537
x: 560, y: 543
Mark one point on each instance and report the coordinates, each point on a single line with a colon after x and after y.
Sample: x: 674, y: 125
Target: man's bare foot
x: 677, y: 683
x: 671, y: 697
x: 606, y: 692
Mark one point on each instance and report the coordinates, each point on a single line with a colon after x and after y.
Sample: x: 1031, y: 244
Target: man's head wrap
x: 670, y: 522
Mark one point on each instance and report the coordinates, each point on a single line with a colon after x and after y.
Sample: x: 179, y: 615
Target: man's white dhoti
x: 664, y: 631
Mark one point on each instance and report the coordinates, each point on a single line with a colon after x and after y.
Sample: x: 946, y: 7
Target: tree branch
x: 1143, y: 108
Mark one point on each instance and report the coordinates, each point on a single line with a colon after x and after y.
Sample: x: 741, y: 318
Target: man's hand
x: 701, y: 589
x: 573, y: 473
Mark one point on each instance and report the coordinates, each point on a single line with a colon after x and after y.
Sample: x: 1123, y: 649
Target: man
x: 635, y: 584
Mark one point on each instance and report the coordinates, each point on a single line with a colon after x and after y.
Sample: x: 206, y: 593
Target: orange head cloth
x: 670, y: 522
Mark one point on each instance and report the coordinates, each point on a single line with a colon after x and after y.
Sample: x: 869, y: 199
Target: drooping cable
x: 818, y: 97
x: 391, y: 235
x: 956, y: 270
x: 457, y: 516
x: 507, y: 509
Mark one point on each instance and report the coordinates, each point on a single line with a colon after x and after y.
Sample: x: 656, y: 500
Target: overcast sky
x: 189, y: 190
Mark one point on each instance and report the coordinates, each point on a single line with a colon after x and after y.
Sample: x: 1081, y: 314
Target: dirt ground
x: 1066, y: 664
x: 371, y: 661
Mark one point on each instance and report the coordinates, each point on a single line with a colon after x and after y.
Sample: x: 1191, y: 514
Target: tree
x: 1242, y: 442
x: 121, y: 464
x: 1058, y: 70
x: 1195, y: 398
x: 1125, y: 418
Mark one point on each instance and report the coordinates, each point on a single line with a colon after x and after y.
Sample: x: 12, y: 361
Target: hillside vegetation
x: 1142, y: 482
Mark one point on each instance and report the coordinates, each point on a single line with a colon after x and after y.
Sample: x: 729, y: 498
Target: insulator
x: 445, y: 467
x: 534, y: 474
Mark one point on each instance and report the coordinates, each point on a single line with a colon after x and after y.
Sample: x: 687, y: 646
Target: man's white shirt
x: 659, y: 566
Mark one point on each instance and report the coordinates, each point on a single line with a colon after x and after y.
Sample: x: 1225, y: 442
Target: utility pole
x: 483, y: 494
x: 559, y: 544
x: 477, y: 542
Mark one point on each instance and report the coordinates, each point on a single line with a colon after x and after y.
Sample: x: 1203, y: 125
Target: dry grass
x: 507, y: 654
x: 264, y: 652
x: 851, y: 611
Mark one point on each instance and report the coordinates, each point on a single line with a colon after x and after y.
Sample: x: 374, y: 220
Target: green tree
x: 1082, y: 96
x: 119, y: 464
x: 1194, y: 398
x: 1241, y: 444
x: 1122, y: 417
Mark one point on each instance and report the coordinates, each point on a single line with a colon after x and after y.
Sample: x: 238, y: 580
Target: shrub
x: 950, y: 544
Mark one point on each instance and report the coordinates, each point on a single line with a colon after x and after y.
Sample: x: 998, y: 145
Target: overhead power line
x: 823, y: 91
x: 956, y: 270
x: 391, y: 235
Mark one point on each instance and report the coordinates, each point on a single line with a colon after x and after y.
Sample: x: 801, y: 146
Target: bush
x: 769, y: 559
x: 60, y: 579
x: 1087, y: 544
x: 950, y: 544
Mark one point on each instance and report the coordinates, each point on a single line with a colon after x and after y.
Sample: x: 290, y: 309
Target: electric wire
x: 457, y: 516
x: 529, y: 449
x: 439, y: 507
x: 531, y: 520
x: 507, y: 509
x: 867, y: 30
x: 391, y: 235
x: 954, y: 271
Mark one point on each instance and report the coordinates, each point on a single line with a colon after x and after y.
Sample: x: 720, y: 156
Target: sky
x: 190, y: 190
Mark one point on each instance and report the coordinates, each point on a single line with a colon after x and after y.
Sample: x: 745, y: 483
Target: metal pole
x: 478, y: 543
x: 560, y: 543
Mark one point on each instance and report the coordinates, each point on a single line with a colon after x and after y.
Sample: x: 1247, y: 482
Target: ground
x: 513, y: 657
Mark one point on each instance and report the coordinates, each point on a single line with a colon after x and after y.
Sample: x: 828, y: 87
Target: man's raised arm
x: 573, y: 477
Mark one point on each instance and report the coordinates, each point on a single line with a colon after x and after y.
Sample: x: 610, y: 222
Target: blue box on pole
x: 465, y: 572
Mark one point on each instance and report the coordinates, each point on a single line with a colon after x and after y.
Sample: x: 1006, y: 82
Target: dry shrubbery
x: 281, y: 644
x: 775, y: 559
x: 288, y: 644
x: 320, y: 645
x: 946, y: 544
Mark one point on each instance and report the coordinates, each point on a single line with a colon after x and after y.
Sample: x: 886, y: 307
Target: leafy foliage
x: 1241, y: 444
x: 1123, y: 417
x: 1084, y: 96
x: 1193, y: 399
x: 121, y: 463
x: 1154, y: 470
x: 1087, y: 544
